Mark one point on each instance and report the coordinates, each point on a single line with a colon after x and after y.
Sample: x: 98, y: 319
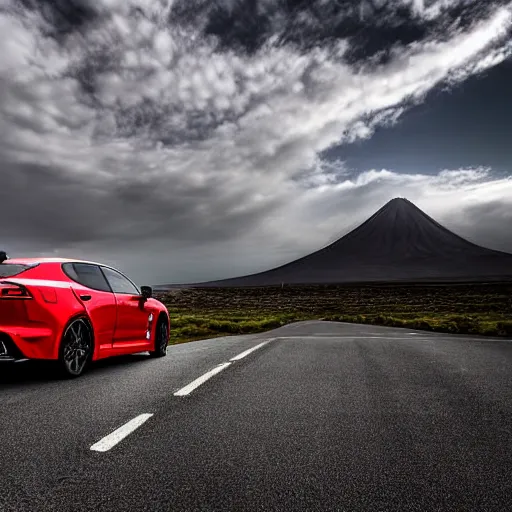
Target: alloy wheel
x: 77, y: 346
x: 163, y: 337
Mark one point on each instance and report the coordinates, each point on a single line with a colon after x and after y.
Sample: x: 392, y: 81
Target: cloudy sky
x: 190, y: 140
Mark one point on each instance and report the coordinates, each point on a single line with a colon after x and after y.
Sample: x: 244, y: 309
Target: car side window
x: 119, y: 283
x: 87, y: 275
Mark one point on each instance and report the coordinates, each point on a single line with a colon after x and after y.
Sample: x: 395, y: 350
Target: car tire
x: 161, y: 339
x: 76, y: 349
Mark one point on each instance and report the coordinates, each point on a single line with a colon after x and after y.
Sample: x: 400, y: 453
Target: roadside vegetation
x: 458, y: 309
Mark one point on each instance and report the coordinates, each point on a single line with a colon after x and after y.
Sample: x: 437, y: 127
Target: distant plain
x: 482, y: 309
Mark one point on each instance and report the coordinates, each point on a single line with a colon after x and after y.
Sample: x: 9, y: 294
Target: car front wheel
x: 161, y: 339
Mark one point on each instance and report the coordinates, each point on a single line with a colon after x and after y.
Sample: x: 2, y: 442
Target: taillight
x: 13, y: 291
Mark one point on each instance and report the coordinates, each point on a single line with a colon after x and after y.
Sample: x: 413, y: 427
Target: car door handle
x: 85, y: 297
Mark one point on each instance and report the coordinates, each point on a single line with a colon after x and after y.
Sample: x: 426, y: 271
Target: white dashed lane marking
x: 208, y: 375
x: 118, y: 435
x: 201, y: 380
x: 247, y: 352
x: 108, y: 442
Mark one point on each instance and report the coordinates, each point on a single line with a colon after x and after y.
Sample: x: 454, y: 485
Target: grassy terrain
x: 464, y: 309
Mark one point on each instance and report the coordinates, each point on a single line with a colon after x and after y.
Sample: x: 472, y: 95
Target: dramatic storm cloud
x: 201, y: 139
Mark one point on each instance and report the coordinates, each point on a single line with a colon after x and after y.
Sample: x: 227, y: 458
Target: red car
x: 74, y: 312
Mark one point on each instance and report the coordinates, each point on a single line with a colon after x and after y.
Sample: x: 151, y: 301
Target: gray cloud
x: 487, y: 223
x: 125, y: 131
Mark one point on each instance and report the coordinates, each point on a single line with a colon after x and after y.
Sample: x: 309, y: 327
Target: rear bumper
x: 21, y: 343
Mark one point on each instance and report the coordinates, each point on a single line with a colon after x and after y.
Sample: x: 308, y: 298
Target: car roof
x: 34, y: 261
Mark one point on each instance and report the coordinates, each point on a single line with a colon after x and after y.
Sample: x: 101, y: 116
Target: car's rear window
x: 12, y: 269
x: 87, y: 274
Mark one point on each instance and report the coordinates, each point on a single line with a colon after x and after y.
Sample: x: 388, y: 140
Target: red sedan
x: 74, y: 312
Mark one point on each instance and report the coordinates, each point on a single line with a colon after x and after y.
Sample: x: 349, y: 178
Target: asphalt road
x: 325, y: 416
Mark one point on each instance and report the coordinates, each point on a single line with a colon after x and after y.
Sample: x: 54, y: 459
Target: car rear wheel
x: 75, y: 348
x: 161, y: 339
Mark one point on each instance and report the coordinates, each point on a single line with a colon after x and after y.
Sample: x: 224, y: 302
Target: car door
x: 93, y: 292
x: 132, y: 311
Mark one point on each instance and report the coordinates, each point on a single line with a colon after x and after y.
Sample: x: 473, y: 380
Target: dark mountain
x: 398, y: 243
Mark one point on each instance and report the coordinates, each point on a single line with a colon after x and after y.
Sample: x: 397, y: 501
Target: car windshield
x: 12, y: 269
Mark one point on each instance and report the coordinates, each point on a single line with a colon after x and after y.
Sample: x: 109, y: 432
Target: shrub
x: 190, y: 332
x: 504, y: 328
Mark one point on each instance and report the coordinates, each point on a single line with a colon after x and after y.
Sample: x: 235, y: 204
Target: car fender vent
x: 49, y: 294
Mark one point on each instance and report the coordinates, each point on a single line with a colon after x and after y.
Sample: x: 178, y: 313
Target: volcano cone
x: 399, y: 243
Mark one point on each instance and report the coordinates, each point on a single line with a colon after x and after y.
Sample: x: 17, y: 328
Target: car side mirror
x: 146, y: 292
